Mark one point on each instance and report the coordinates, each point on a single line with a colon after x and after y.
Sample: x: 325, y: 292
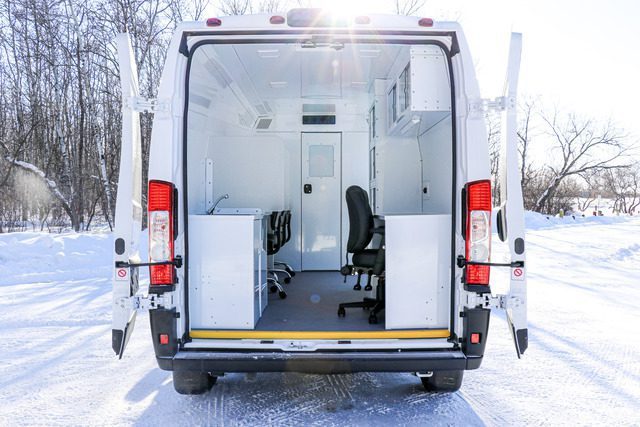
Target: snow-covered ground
x: 582, y: 366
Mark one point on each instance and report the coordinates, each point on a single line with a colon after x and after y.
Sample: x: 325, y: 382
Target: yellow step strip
x: 319, y: 335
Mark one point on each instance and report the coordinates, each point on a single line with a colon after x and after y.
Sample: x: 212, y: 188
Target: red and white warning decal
x: 122, y: 274
x: 517, y: 273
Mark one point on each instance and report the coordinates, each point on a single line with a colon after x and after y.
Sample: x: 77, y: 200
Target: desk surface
x: 257, y: 212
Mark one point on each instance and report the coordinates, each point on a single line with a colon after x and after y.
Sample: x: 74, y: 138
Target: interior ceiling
x: 278, y: 71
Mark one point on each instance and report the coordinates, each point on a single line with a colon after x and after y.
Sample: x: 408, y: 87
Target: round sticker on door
x: 121, y: 274
x: 517, y: 273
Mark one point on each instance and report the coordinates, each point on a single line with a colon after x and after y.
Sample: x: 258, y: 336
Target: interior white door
x: 320, y: 213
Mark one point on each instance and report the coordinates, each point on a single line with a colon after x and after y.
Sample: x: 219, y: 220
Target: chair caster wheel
x: 291, y: 272
x: 368, y: 288
x: 282, y: 294
x: 273, y: 289
x: 341, y: 312
x: 287, y: 280
x: 357, y: 287
x: 373, y: 319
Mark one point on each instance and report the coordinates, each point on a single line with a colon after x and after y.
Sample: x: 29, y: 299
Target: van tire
x: 443, y: 381
x: 193, y: 382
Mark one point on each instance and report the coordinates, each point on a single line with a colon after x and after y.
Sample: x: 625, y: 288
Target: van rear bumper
x: 319, y: 363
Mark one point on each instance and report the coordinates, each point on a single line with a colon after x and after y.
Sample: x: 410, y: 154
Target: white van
x: 275, y: 138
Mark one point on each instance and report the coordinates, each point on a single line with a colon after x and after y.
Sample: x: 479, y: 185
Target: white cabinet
x: 417, y: 264
x: 227, y: 270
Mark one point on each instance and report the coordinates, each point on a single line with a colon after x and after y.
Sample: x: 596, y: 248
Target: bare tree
x: 235, y: 7
x: 409, y: 7
x: 271, y: 6
x: 493, y: 139
x: 524, y: 141
x: 624, y: 186
x: 582, y: 146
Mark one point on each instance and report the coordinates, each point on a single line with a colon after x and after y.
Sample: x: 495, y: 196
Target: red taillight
x: 276, y: 19
x: 362, y: 20
x: 160, y: 205
x: 425, y: 22
x: 214, y: 22
x: 478, y: 231
x: 164, y: 339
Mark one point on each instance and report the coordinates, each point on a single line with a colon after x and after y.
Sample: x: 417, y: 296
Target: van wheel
x: 443, y: 381
x: 192, y: 382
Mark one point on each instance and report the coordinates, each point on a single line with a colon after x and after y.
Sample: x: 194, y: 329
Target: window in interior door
x: 404, y: 91
x: 372, y: 163
x: 392, y: 100
x: 321, y: 161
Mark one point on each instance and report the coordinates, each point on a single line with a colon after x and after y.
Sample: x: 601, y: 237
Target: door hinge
x: 502, y: 302
x: 148, y: 105
x: 485, y: 105
x: 147, y: 302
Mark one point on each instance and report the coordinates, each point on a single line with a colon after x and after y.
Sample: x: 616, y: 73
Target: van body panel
x: 128, y: 218
x: 460, y: 129
x: 511, y: 209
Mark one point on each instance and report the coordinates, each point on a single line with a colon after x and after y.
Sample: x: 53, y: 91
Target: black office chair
x: 275, y: 238
x: 286, y: 236
x: 361, y: 231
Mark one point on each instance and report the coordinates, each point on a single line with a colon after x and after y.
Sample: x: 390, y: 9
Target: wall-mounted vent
x: 318, y: 108
x: 263, y: 123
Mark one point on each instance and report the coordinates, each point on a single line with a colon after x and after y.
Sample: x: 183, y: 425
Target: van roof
x: 376, y: 21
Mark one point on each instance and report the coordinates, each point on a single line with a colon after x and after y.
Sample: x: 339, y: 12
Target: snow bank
x: 30, y: 257
x: 536, y: 221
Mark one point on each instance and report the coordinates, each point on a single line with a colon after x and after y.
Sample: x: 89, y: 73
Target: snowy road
x: 582, y: 366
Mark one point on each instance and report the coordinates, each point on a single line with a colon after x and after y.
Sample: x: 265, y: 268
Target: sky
x: 580, y: 56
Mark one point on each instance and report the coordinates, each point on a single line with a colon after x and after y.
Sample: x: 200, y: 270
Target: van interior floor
x: 312, y: 305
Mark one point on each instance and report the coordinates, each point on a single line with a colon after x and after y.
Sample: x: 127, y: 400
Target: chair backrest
x: 282, y: 228
x: 287, y: 221
x: 274, y: 244
x: 360, y: 219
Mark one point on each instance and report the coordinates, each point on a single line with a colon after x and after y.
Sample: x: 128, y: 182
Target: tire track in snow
x: 485, y: 409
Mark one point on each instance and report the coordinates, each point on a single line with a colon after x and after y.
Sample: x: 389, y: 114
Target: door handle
x: 307, y: 188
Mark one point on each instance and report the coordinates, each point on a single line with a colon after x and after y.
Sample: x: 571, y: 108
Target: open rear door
x: 128, y: 203
x: 511, y: 213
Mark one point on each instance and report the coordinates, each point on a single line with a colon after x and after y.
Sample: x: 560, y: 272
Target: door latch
x: 462, y: 262
x: 307, y: 188
x: 177, y: 263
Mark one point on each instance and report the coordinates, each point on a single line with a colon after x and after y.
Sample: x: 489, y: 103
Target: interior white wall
x: 400, y: 176
x: 355, y: 171
x: 251, y: 170
x: 435, y: 150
